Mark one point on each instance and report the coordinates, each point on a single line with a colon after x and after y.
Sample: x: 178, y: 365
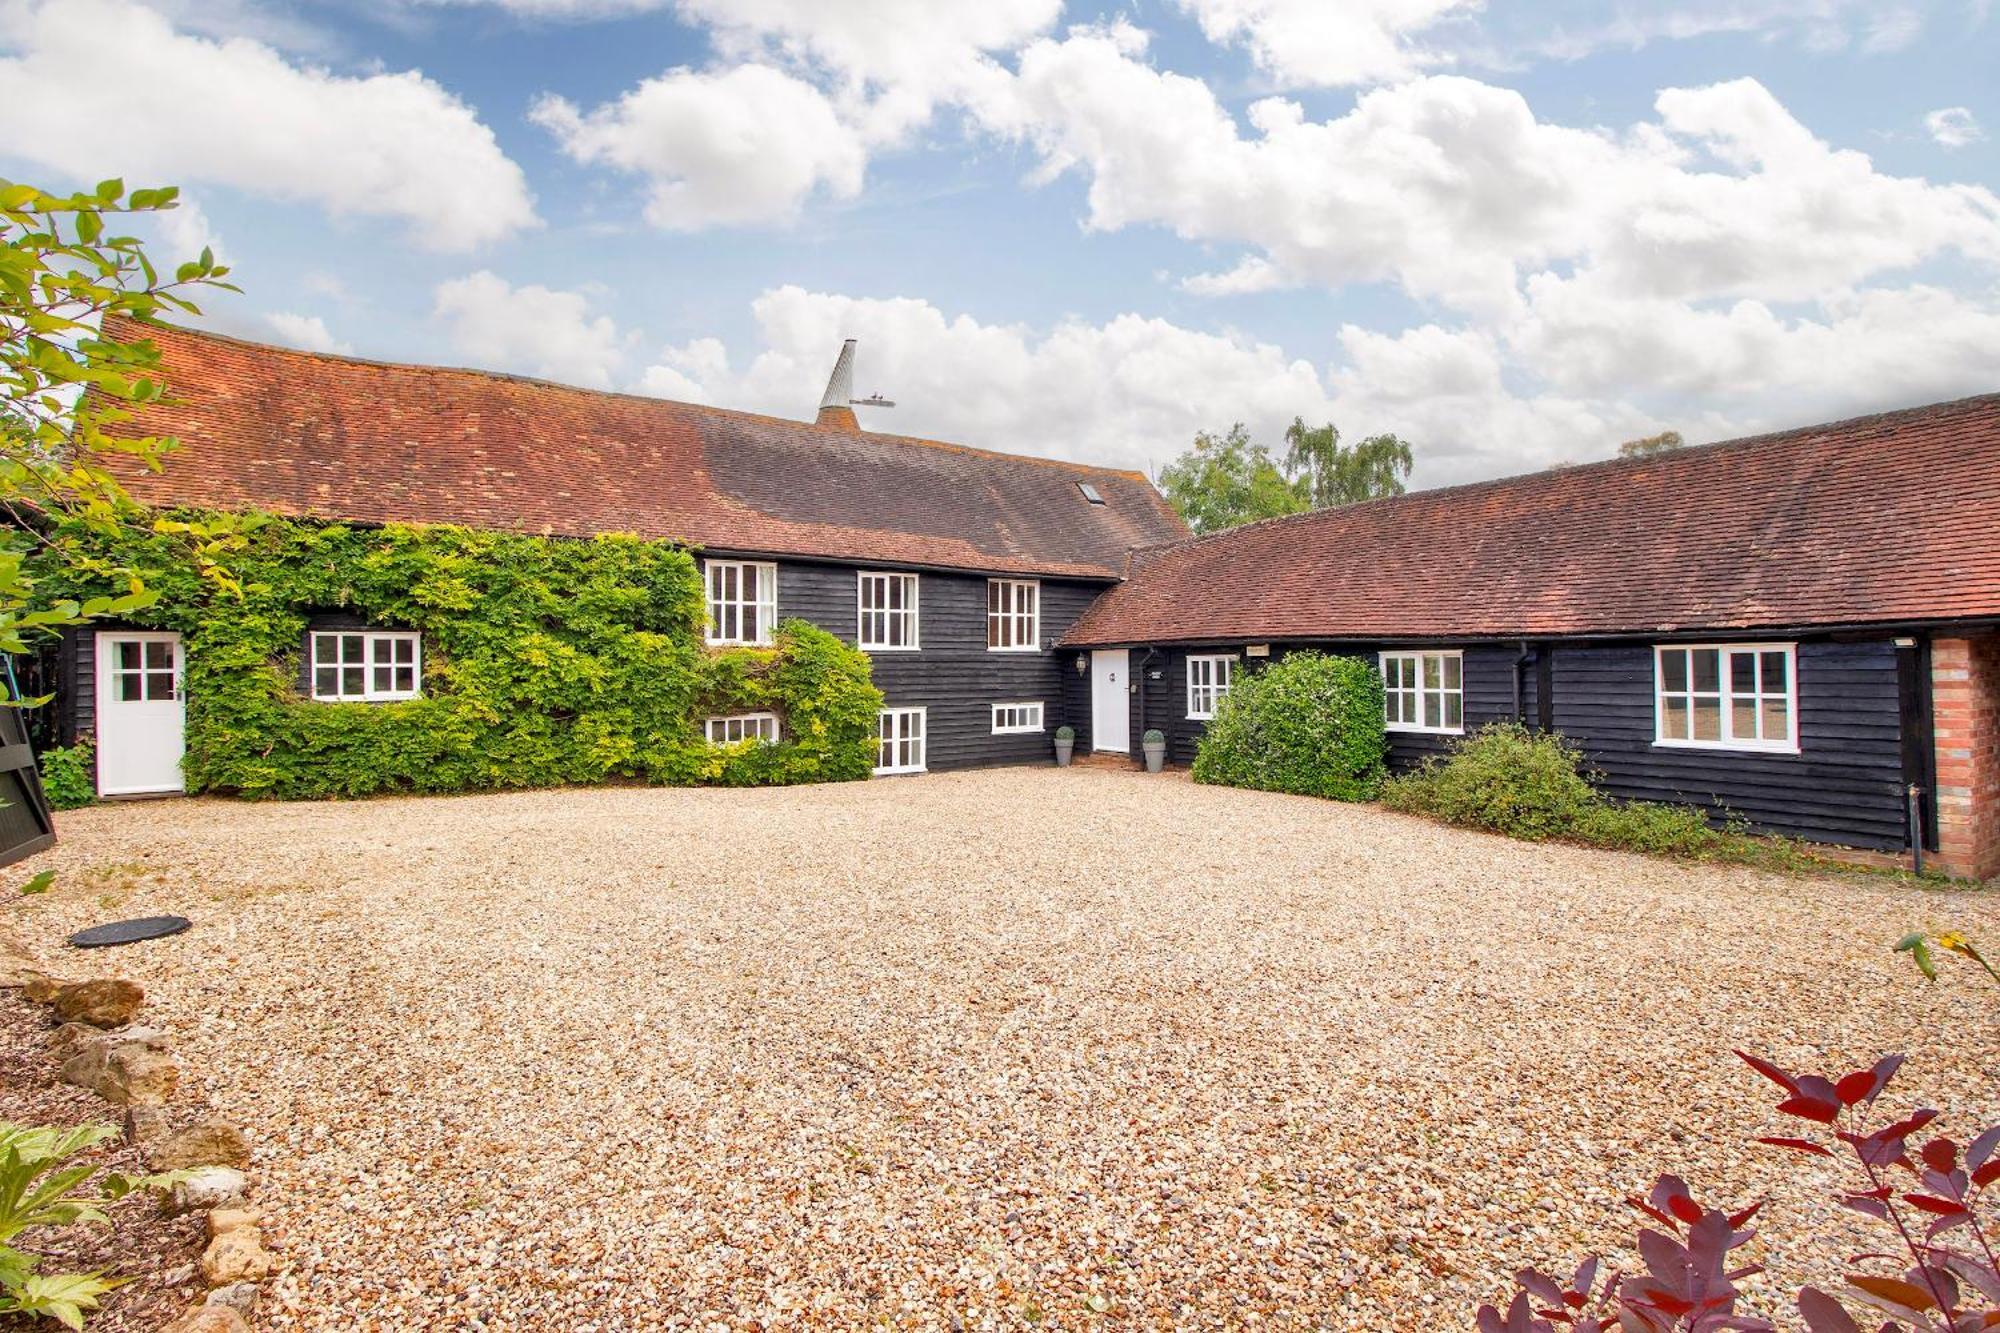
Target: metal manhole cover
x: 129, y: 932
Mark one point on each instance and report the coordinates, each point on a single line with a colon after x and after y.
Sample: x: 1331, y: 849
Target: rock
x: 206, y: 1142
x: 209, y: 1318
x: 237, y: 1256
x: 43, y: 988
x: 76, y: 1038
x: 207, y: 1188
x: 106, y: 1003
x: 222, y: 1221
x: 124, y: 1074
x: 238, y: 1296
x: 17, y: 971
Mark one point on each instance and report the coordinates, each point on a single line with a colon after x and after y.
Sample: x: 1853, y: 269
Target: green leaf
x: 109, y: 190
x: 1909, y: 941
x: 40, y: 883
x: 1921, y: 952
x: 89, y: 226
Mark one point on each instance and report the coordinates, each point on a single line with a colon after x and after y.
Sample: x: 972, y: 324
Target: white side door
x: 1110, y: 708
x: 140, y: 716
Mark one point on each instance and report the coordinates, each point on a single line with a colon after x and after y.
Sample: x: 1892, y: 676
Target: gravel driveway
x: 1007, y: 1049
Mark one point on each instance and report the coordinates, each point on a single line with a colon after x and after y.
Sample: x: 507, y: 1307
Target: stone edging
x: 131, y: 1067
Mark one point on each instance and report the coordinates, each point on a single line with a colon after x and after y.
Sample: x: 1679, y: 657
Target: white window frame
x: 917, y: 742
x: 1416, y: 692
x: 1017, y: 617
x: 748, y: 727
x: 1018, y: 718
x: 725, y: 613
x: 1209, y: 678
x: 370, y: 639
x: 1727, y: 696
x: 880, y: 579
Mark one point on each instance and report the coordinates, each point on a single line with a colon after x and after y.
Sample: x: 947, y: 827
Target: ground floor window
x: 1208, y: 680
x: 1016, y: 717
x: 368, y: 665
x: 1424, y: 691
x: 901, y: 744
x: 743, y: 727
x: 1728, y: 696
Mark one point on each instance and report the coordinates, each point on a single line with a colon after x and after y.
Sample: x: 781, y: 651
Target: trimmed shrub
x: 67, y: 776
x: 1308, y: 723
x: 546, y: 661
x: 1505, y: 779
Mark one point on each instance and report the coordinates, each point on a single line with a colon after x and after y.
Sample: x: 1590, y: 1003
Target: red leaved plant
x: 1945, y: 1279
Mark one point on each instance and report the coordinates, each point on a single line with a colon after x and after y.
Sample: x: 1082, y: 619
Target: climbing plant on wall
x: 545, y: 661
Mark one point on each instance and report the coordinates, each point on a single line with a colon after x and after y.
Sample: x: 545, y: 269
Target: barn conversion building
x: 1801, y: 629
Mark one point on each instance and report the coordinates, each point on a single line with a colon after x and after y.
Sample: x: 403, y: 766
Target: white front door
x: 140, y: 723
x: 1110, y: 708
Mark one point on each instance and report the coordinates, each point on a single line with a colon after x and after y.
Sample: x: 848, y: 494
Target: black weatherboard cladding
x: 1845, y: 786
x: 951, y: 674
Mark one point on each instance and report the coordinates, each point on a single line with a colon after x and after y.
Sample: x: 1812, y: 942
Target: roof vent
x: 1090, y: 492
x: 837, y: 404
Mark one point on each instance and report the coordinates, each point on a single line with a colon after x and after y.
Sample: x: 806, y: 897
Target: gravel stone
x: 107, y: 1003
x: 922, y: 1054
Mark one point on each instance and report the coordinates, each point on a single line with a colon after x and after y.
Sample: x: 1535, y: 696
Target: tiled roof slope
x: 1880, y: 520
x: 334, y: 437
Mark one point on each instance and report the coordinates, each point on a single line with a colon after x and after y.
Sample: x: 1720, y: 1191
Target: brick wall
x: 1965, y: 691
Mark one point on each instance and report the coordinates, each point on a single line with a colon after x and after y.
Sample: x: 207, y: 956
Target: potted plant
x: 1065, y: 743
x: 1155, y: 744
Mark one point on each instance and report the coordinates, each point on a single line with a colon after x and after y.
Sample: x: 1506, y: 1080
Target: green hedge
x: 1308, y: 723
x: 68, y: 777
x: 1506, y: 779
x: 546, y: 661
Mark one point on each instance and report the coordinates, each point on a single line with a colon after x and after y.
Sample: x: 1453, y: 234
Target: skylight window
x: 1090, y: 492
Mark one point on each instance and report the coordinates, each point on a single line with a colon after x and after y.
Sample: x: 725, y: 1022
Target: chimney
x: 835, y: 410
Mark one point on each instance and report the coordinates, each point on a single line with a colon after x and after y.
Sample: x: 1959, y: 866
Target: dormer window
x: 1090, y: 492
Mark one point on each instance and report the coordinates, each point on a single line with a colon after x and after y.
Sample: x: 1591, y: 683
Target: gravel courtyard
x: 1008, y: 1049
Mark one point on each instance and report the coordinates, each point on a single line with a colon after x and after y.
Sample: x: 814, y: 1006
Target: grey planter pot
x: 1156, y: 756
x: 1063, y: 749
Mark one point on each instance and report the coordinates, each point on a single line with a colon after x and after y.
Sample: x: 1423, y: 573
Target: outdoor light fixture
x: 1082, y: 663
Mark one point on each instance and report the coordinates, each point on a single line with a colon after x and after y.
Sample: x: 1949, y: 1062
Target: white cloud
x: 1954, y: 126
x: 306, y: 332
x: 1454, y: 190
x: 185, y: 231
x: 1130, y: 392
x: 1252, y: 273
x: 534, y: 330
x: 1315, y: 43
x: 746, y: 145
x: 167, y: 106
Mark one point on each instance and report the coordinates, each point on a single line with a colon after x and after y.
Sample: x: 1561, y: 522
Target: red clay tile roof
x: 1879, y: 521
x: 334, y: 437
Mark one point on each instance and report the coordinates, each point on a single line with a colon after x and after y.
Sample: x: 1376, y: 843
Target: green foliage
x: 1154, y: 736
x: 1332, y: 474
x: 1665, y: 442
x: 67, y: 776
x: 1504, y: 779
x: 64, y: 390
x: 1308, y: 723
x: 38, y: 882
x: 41, y: 1186
x: 1065, y: 733
x: 1225, y: 480
x: 546, y: 661
x: 1532, y: 785
x: 1918, y: 946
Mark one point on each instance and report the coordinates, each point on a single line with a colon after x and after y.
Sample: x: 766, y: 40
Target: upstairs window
x: 1013, y: 615
x: 1208, y: 680
x: 742, y: 601
x: 1424, y: 691
x: 1727, y: 696
x: 372, y: 666
x: 743, y: 727
x: 888, y: 612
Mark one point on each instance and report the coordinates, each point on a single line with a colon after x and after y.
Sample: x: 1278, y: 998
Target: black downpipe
x: 1521, y: 661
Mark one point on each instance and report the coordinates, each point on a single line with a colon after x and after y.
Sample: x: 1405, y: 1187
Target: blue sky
x: 1515, y: 234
